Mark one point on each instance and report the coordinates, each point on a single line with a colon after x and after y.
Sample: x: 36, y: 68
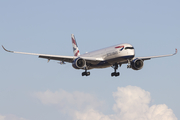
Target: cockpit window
x: 129, y: 48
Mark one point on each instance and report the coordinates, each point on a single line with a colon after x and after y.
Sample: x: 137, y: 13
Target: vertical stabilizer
x: 75, y: 46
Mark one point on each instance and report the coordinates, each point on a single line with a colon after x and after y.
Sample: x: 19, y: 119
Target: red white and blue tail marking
x: 75, y: 46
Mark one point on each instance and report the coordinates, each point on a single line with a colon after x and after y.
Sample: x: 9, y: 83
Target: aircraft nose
x: 131, y: 52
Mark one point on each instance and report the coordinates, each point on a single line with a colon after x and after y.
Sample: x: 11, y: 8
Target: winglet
x: 175, y: 52
x: 6, y: 49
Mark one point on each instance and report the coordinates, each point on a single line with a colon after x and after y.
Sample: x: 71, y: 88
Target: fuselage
x: 119, y: 53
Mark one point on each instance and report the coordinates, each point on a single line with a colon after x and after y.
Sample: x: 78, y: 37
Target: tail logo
x: 75, y: 46
x: 74, y: 49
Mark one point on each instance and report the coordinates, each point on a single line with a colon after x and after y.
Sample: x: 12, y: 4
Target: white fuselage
x: 120, y: 54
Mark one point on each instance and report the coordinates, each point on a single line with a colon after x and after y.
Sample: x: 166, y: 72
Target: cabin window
x: 129, y: 48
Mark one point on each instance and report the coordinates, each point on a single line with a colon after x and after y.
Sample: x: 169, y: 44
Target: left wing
x: 69, y: 59
x: 148, y: 58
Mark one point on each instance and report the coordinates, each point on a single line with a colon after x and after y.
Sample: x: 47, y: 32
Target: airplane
x: 113, y: 56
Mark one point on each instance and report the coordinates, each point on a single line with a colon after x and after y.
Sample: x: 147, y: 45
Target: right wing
x: 69, y: 59
x: 148, y: 58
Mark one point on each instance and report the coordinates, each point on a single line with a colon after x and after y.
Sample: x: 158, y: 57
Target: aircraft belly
x: 104, y: 65
x: 117, y: 60
x: 110, y: 62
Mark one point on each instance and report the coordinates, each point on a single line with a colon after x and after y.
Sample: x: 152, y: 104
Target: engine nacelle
x: 79, y: 63
x: 137, y: 64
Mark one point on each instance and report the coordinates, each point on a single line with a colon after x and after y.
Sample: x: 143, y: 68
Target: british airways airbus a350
x: 113, y: 56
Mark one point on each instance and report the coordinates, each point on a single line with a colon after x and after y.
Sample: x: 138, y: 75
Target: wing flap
x: 57, y: 57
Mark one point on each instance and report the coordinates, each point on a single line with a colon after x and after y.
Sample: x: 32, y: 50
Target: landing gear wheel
x: 112, y: 74
x: 85, y: 73
x: 115, y: 74
x: 115, y: 66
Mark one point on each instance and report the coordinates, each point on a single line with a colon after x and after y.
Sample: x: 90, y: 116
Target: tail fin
x: 75, y: 46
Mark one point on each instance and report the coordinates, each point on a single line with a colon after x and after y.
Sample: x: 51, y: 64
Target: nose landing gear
x: 115, y: 66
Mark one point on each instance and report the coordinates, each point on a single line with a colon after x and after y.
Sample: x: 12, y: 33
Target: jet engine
x: 79, y: 63
x: 137, y: 64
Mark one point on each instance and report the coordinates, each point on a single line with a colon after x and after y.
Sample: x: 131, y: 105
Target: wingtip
x: 6, y: 49
x: 3, y: 47
x: 175, y: 51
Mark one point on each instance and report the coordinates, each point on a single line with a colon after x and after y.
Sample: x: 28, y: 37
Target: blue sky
x: 32, y: 89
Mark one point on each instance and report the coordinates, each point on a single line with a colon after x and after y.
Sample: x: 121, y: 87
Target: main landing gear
x: 115, y: 66
x: 85, y: 73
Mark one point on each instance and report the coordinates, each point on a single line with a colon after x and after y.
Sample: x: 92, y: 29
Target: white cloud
x: 90, y: 114
x: 132, y: 103
x: 69, y: 101
x: 2, y: 117
x: 11, y: 117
